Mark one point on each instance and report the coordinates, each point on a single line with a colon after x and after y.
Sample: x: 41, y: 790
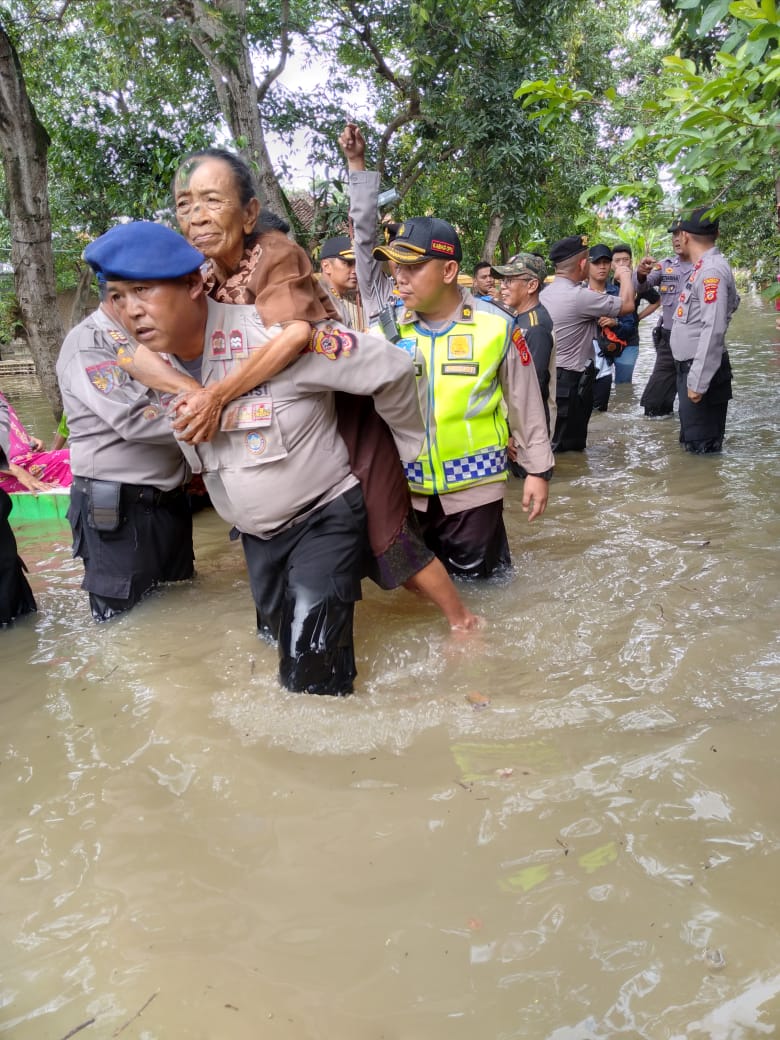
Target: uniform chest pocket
x: 244, y: 448
x: 253, y: 411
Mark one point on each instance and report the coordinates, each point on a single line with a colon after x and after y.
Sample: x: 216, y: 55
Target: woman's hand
x: 27, y: 479
x: 197, y: 416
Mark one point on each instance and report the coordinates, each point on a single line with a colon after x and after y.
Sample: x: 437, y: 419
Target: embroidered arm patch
x: 107, y: 376
x: 521, y: 346
x: 710, y: 286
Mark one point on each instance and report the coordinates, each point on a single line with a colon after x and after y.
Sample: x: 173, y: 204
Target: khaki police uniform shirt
x: 119, y: 429
x: 541, y: 342
x: 349, y: 311
x: 704, y: 309
x: 574, y: 310
x: 278, y: 455
x: 668, y: 277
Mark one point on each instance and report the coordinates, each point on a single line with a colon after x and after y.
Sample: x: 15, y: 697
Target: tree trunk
x: 82, y: 303
x: 495, y: 227
x: 222, y: 42
x: 25, y: 144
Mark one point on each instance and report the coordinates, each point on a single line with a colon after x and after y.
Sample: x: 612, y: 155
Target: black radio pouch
x: 388, y: 325
x: 104, y: 513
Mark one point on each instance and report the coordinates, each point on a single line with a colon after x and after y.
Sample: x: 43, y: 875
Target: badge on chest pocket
x: 251, y: 412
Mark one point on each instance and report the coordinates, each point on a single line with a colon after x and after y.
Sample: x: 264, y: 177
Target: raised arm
x: 625, y: 283
x: 376, y: 287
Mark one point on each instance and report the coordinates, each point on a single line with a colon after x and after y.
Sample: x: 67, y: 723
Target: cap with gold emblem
x: 568, y: 247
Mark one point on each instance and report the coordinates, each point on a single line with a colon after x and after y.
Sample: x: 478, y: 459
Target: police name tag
x: 460, y: 369
x: 251, y: 412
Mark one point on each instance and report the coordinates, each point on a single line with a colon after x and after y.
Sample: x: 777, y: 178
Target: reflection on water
x: 589, y: 849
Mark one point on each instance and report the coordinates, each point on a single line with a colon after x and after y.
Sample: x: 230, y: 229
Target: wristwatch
x: 523, y: 472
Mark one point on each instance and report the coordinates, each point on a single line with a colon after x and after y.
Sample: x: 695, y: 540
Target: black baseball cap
x: 599, y: 252
x: 568, y: 247
x: 339, y: 248
x: 421, y: 239
x: 696, y: 224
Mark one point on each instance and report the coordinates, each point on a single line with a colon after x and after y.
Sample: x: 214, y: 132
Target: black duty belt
x: 146, y: 494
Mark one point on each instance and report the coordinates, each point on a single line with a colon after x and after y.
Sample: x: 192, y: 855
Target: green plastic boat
x: 46, y: 507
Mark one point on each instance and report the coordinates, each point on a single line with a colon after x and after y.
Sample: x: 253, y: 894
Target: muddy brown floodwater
x: 588, y: 849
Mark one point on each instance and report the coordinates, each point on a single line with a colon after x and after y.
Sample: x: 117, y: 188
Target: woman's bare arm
x: 198, y: 418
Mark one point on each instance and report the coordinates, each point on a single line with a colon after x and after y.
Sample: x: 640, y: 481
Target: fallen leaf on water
x: 479, y: 700
x: 504, y: 772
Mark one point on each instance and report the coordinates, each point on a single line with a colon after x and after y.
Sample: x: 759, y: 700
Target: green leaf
x: 712, y: 14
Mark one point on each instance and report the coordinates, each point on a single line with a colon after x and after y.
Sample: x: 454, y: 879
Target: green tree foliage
x: 120, y: 108
x: 449, y: 135
x: 716, y: 132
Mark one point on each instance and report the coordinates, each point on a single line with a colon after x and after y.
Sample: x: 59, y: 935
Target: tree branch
x: 284, y: 42
x: 411, y: 113
x: 362, y: 30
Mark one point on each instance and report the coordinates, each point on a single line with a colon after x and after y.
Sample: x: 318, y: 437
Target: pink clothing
x: 52, y: 467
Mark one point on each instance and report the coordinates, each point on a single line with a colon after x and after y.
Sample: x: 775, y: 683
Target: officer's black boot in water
x: 316, y: 654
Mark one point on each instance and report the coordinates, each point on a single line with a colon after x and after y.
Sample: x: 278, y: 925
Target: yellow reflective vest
x: 461, y: 398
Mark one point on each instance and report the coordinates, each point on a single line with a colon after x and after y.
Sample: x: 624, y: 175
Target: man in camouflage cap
x: 522, y: 278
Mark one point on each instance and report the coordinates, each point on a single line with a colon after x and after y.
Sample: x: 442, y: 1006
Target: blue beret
x: 142, y: 250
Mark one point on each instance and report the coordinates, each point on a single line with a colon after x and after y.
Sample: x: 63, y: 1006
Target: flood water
x: 191, y: 853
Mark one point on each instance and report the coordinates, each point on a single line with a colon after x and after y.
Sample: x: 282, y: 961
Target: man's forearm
x: 627, y: 295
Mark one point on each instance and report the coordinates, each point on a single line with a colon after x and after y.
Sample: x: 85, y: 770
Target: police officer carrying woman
x: 252, y: 261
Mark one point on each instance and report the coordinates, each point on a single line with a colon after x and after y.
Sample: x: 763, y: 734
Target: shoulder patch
x: 710, y: 286
x: 333, y: 343
x: 107, y: 376
x: 521, y: 346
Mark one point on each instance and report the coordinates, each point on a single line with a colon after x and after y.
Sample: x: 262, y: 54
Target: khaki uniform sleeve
x: 712, y: 291
x: 376, y: 287
x: 370, y: 367
x: 525, y: 412
x: 284, y: 286
x: 593, y: 304
x: 651, y: 280
x: 93, y: 383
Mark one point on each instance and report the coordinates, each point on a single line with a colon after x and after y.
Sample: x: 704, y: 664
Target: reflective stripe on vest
x: 466, y: 431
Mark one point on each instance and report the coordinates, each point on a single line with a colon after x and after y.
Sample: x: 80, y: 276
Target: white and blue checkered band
x: 414, y: 472
x: 475, y: 467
